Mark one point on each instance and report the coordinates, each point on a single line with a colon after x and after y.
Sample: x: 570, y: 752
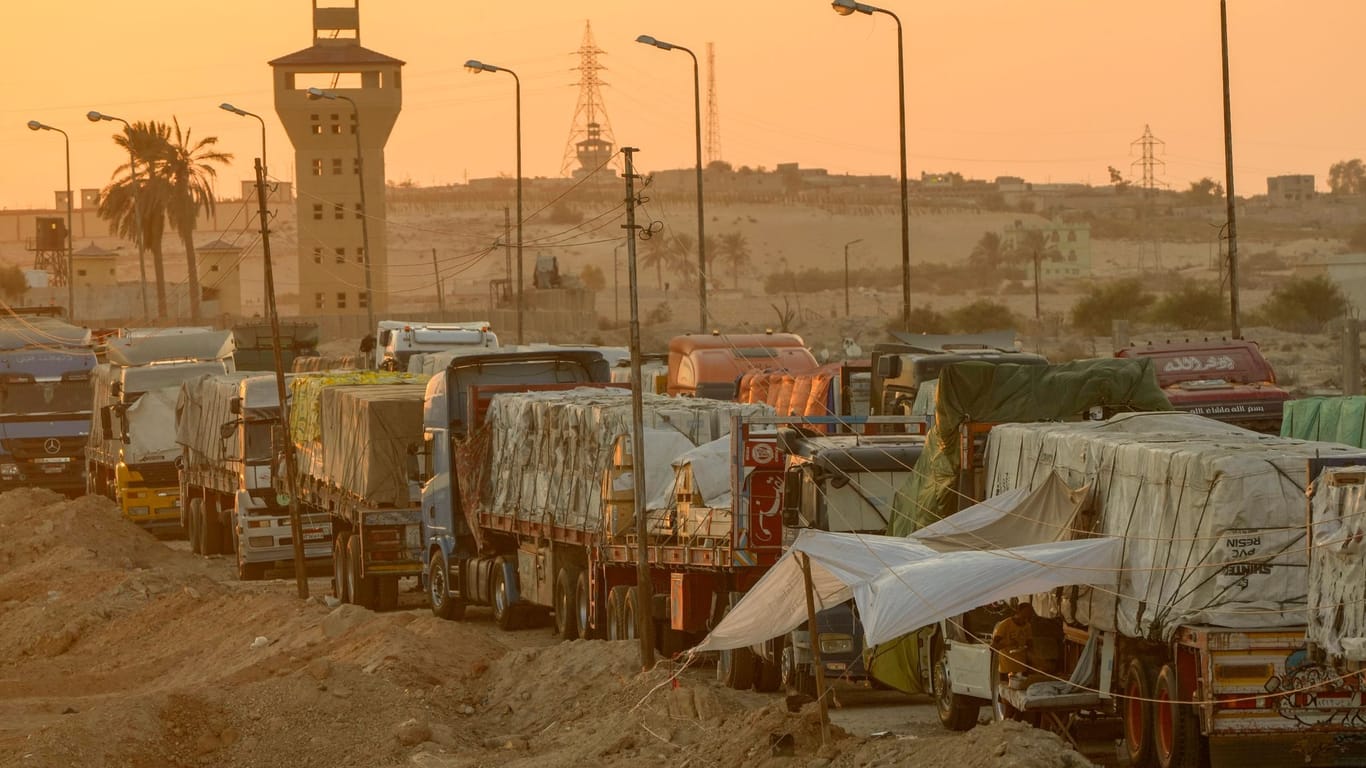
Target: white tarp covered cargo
x: 203, y: 406
x: 305, y: 392
x: 1337, y: 564
x: 151, y: 428
x: 550, y: 450
x: 368, y: 441
x: 1212, y: 516
x: 193, y: 345
x: 901, y: 585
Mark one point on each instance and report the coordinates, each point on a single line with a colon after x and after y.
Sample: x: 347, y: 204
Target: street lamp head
x: 34, y: 125
x: 318, y: 93
x: 660, y: 44
x: 849, y: 7
x: 476, y: 66
x: 95, y: 117
x: 226, y: 107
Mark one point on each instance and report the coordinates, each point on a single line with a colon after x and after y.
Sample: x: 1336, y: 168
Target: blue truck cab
x: 45, y: 404
x: 454, y: 572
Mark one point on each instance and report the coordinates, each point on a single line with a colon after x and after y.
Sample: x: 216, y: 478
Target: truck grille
x: 29, y: 448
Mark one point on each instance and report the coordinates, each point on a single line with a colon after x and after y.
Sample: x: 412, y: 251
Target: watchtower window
x: 341, y: 255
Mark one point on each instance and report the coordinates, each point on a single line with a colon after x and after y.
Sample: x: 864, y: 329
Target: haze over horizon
x: 1053, y: 90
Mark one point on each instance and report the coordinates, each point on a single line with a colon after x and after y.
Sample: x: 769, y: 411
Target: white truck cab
x: 398, y: 340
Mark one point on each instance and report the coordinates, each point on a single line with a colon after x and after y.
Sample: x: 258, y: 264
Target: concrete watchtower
x: 331, y: 252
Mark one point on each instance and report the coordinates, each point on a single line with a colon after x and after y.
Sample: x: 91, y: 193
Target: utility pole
x: 440, y: 292
x: 1037, y: 314
x: 1228, y: 181
x: 507, y: 246
x: 846, y: 273
x: 1351, y: 356
x: 644, y: 620
x: 291, y: 462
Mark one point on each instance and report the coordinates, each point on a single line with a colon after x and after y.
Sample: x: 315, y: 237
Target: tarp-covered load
x: 988, y: 393
x: 317, y: 363
x: 305, y: 392
x: 1211, y: 515
x: 792, y: 394
x: 901, y: 585
x: 197, y: 345
x: 549, y: 451
x: 151, y: 427
x: 368, y: 443
x: 19, y: 331
x: 203, y: 406
x: 1337, y: 564
x: 1330, y: 419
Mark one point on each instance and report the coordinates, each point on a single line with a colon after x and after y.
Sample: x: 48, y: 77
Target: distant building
x: 1067, y: 247
x: 220, y: 275
x: 1287, y: 190
x: 95, y: 267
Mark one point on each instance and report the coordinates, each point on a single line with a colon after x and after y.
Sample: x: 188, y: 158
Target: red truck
x: 1223, y: 379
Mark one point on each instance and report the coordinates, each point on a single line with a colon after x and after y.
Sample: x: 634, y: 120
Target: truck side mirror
x: 116, y: 389
x: 107, y: 421
x: 888, y: 366
x: 792, y: 498
x: 235, y: 406
x: 228, y: 430
x: 385, y: 336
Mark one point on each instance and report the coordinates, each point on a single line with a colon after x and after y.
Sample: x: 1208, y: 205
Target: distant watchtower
x: 331, y: 254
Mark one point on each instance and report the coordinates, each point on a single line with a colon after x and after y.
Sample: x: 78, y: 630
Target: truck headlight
x: 836, y: 644
x: 9, y: 470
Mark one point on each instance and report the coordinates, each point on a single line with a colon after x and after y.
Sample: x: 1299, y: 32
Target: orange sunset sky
x: 1051, y: 90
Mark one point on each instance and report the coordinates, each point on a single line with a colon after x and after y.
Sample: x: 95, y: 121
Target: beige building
x: 220, y: 276
x: 94, y: 267
x: 324, y: 132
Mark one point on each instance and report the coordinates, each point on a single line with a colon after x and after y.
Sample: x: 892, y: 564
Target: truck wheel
x: 387, y: 589
x: 210, y: 538
x: 223, y: 513
x: 362, y: 587
x: 1176, y: 728
x: 196, y: 515
x: 250, y: 571
x: 768, y: 672
x: 1138, y: 712
x: 583, y: 609
x: 956, y: 712
x: 339, y: 580
x: 439, y: 590
x: 735, y: 669
x: 566, y: 611
x: 630, y: 611
x: 502, y: 601
x: 796, y: 678
x: 616, y: 608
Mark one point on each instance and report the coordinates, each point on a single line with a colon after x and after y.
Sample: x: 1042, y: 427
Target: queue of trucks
x: 505, y: 478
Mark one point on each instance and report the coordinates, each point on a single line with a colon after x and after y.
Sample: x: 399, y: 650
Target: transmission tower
x: 1150, y: 247
x: 590, y: 142
x: 713, y: 109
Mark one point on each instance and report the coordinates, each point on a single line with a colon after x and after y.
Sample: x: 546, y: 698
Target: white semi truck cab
x: 398, y: 340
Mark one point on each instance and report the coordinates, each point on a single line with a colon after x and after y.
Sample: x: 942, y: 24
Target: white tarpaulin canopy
x: 901, y: 585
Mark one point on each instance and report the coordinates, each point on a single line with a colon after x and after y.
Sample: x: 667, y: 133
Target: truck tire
x: 339, y: 580
x: 227, y: 534
x: 210, y: 537
x: 616, y: 606
x: 796, y: 678
x: 1176, y: 728
x: 630, y: 613
x: 439, y: 590
x: 1137, y: 711
x: 500, y: 598
x: 735, y: 669
x: 956, y: 711
x: 768, y: 672
x: 566, y: 610
x: 250, y: 571
x: 362, y: 587
x: 583, y: 611
x: 387, y: 593
x: 195, y: 513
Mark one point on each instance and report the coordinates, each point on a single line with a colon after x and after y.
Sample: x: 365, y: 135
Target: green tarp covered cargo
x: 1326, y: 419
x: 982, y: 393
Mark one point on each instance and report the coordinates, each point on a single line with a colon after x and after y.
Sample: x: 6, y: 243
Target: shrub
x: 13, y: 284
x: 923, y: 320
x: 1192, y: 305
x: 1305, y: 304
x: 1096, y: 312
x: 981, y: 316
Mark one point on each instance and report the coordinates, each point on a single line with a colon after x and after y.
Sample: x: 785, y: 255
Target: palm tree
x: 118, y: 206
x: 987, y: 253
x: 654, y: 252
x: 734, y: 249
x: 187, y: 171
x: 681, y: 249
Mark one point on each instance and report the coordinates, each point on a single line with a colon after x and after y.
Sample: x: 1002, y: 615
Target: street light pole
x: 697, y: 134
x: 1228, y: 181
x: 34, y: 125
x: 95, y: 117
x: 318, y: 93
x: 846, y: 273
x: 475, y: 66
x: 845, y: 8
x: 265, y: 173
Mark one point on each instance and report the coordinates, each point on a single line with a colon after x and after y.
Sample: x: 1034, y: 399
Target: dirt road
x: 120, y: 650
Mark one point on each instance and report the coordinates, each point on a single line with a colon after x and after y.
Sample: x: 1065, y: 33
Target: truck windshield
x: 258, y: 440
x: 31, y: 398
